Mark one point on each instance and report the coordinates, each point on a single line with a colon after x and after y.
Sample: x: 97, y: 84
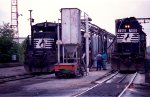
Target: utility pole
x: 31, y: 19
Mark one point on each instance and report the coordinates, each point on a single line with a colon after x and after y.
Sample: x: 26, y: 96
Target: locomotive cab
x: 40, y: 55
x: 130, y: 46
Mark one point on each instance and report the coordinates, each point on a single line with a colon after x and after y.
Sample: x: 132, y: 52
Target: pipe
x: 58, y: 44
x: 87, y: 44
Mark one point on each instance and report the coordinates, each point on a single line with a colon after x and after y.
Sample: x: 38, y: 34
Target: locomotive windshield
x: 44, y: 27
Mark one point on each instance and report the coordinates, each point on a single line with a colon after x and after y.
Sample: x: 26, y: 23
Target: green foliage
x: 5, y: 58
x: 6, y: 31
x: 7, y: 45
x: 22, y: 48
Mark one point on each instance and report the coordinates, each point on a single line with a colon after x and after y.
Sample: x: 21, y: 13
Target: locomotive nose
x: 128, y: 62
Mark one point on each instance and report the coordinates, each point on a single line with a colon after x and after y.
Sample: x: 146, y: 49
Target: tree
x: 7, y: 31
x: 22, y: 49
x: 7, y: 45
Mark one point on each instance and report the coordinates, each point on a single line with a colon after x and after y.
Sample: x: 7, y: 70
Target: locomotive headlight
x: 127, y: 26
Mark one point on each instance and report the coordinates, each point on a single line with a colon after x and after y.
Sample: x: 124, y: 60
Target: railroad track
x: 17, y: 77
x: 106, y: 81
x: 104, y: 76
x: 109, y: 76
x: 129, y: 84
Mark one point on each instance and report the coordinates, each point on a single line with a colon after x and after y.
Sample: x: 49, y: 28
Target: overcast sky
x: 102, y: 12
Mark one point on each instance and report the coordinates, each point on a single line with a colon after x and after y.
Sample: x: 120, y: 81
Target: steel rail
x: 104, y: 76
x: 99, y: 83
x: 15, y: 77
x: 122, y: 78
x: 4, y: 77
x: 125, y: 89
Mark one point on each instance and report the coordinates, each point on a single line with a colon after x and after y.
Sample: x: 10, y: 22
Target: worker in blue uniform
x: 99, y: 62
x: 104, y: 57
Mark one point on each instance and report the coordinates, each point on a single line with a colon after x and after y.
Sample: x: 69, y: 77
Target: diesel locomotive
x: 67, y: 48
x: 130, y: 46
x: 40, y: 54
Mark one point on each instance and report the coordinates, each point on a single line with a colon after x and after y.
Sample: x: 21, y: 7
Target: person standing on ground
x: 104, y: 57
x: 99, y: 61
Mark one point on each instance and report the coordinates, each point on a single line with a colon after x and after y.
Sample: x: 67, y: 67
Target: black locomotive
x: 130, y: 46
x: 41, y: 51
